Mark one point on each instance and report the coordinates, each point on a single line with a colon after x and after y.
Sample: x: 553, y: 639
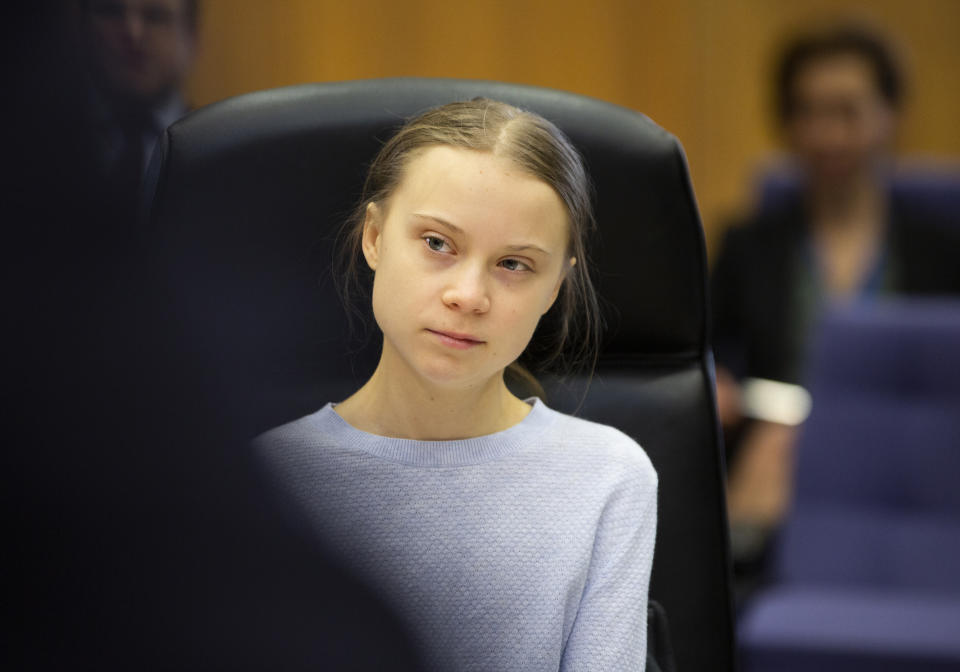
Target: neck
x: 407, y: 406
x: 857, y: 205
x: 848, y: 231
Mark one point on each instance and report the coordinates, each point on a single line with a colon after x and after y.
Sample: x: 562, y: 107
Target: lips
x: 456, y: 340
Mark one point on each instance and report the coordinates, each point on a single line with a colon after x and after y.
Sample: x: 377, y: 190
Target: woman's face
x: 841, y: 124
x: 468, y: 253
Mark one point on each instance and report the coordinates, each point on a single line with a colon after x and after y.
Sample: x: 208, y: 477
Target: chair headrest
x: 295, y: 157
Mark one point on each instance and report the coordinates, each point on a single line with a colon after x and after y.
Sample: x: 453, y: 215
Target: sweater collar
x: 452, y: 453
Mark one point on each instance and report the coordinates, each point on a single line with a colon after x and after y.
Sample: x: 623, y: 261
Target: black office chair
x: 249, y: 193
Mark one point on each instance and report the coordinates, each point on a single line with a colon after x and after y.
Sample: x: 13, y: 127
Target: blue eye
x: 515, y: 265
x: 435, y: 243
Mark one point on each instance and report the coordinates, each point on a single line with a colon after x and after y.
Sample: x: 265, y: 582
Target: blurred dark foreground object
x: 137, y: 534
x: 868, y: 564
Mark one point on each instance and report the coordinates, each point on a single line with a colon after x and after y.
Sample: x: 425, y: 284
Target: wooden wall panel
x: 700, y: 68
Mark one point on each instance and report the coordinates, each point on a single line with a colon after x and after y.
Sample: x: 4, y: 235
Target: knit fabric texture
x: 527, y: 549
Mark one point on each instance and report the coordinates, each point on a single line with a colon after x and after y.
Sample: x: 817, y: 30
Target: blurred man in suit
x: 140, y: 53
x: 138, y: 531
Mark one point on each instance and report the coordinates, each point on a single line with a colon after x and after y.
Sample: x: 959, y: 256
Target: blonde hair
x: 539, y: 148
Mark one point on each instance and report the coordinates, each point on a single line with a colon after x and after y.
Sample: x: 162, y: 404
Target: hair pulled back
x: 838, y: 39
x: 535, y: 146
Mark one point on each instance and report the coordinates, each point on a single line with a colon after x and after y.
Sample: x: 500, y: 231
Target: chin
x: 452, y: 379
x: 455, y: 376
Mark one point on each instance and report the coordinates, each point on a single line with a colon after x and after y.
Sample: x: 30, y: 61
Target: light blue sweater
x: 528, y: 549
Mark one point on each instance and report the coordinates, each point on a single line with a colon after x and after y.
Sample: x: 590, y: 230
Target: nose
x: 133, y: 25
x: 467, y: 290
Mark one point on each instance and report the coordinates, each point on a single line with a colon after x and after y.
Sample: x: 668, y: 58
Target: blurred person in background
x: 842, y: 238
x: 139, y: 54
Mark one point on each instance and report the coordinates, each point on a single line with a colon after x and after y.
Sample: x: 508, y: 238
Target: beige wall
x: 697, y: 67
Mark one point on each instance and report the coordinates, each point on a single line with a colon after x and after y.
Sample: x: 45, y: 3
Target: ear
x: 372, y: 228
x: 556, y: 289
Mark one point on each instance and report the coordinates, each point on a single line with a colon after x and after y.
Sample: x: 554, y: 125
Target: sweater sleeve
x: 610, y: 629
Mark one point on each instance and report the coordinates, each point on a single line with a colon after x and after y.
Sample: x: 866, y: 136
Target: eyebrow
x: 458, y: 230
x: 441, y: 221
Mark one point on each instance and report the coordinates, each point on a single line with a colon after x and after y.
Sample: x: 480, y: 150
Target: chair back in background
x: 867, y: 563
x: 927, y: 190
x: 249, y: 194
x: 876, y: 501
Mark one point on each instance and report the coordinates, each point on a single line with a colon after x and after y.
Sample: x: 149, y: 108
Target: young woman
x: 508, y: 536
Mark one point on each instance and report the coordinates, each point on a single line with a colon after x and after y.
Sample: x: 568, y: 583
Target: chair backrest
x: 929, y: 190
x: 876, y: 500
x: 249, y: 193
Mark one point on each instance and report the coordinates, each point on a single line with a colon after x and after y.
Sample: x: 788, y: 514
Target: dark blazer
x: 755, y: 292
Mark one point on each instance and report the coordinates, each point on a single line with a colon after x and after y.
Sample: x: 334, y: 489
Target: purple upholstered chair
x: 926, y: 190
x: 868, y: 564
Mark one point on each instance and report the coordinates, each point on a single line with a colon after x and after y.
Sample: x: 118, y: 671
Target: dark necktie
x: 127, y: 170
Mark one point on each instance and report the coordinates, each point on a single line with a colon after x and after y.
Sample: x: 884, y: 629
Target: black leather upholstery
x: 250, y: 192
